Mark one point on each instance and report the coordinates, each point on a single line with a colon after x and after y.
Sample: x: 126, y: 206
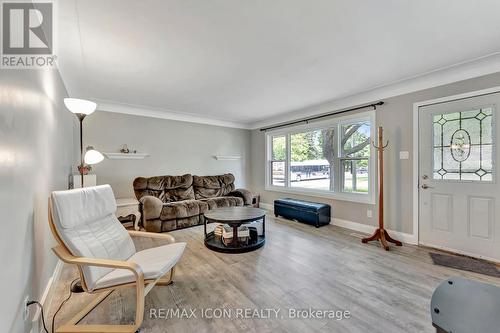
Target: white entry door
x: 459, y: 191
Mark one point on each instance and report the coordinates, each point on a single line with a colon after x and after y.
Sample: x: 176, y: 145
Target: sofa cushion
x: 183, y: 209
x: 218, y: 202
x: 188, y: 222
x: 212, y: 186
x: 165, y: 188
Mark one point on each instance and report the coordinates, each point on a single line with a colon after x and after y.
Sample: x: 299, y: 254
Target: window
x: 332, y: 158
x: 463, y: 145
x: 355, y: 151
x: 309, y: 166
x: 278, y: 161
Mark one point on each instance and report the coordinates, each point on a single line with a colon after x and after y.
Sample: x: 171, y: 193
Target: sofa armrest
x: 151, y: 207
x: 246, y: 195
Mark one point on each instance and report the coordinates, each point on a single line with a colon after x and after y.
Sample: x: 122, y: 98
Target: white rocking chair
x: 91, y: 237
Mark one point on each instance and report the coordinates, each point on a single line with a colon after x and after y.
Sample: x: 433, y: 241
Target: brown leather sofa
x: 176, y: 202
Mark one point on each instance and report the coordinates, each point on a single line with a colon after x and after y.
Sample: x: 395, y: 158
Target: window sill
x: 351, y: 197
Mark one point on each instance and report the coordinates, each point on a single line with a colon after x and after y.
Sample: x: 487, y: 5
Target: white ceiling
x: 242, y: 62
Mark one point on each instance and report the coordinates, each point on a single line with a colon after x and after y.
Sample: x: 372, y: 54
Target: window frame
x: 337, y: 194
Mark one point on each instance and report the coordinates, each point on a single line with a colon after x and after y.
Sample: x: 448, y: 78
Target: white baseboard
x: 46, y: 299
x: 369, y: 229
x: 360, y: 227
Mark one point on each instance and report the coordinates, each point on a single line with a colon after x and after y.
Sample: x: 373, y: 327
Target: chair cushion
x: 154, y: 262
x: 81, y: 206
x: 85, y: 221
x: 223, y: 202
x: 182, y: 209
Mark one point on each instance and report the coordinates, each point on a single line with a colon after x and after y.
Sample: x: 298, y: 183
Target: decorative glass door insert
x: 463, y: 143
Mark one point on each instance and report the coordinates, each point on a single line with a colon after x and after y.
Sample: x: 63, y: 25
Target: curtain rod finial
x: 377, y: 104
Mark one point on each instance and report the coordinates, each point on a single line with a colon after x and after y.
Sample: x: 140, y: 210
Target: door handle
x: 425, y: 186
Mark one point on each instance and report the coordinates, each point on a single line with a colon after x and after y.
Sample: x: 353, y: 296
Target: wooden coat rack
x: 381, y: 234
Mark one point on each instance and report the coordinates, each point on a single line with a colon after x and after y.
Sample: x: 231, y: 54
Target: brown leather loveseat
x: 176, y: 202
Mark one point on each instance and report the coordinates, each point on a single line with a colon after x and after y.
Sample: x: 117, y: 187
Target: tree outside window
x: 332, y: 158
x: 355, y: 154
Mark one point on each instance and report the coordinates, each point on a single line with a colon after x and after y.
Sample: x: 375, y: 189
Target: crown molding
x: 144, y: 111
x: 481, y: 66
x: 458, y: 72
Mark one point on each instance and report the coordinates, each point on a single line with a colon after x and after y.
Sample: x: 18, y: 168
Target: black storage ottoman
x: 314, y: 213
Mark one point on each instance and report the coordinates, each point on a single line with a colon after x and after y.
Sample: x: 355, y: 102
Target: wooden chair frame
x: 142, y: 286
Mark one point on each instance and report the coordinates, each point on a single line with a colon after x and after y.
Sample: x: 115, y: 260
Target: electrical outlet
x: 26, y: 311
x: 369, y: 213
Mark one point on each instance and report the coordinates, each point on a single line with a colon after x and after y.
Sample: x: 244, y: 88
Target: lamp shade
x: 92, y: 156
x: 81, y: 106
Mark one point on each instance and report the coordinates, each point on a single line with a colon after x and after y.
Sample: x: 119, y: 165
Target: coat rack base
x: 383, y: 236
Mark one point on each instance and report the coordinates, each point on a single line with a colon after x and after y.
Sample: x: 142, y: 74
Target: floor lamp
x: 82, y: 108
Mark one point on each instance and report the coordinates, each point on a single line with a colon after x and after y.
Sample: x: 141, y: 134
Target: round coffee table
x: 234, y: 217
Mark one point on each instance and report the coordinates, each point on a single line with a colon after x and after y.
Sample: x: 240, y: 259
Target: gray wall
x: 175, y: 147
x: 396, y: 116
x: 36, y: 154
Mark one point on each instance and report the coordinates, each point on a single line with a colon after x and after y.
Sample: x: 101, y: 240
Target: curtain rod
x: 306, y: 120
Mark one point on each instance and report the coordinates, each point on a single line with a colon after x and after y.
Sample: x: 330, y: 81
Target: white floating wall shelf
x: 227, y: 158
x: 122, y: 156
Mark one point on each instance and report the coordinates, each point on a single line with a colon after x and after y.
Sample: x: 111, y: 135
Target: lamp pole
x: 81, y: 108
x: 81, y: 116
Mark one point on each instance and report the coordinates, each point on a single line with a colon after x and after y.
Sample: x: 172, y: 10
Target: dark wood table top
x: 235, y: 215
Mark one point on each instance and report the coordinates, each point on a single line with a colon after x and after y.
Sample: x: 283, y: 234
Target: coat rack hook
x: 377, y: 147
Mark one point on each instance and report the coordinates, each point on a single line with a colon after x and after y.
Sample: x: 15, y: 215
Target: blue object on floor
x: 314, y: 213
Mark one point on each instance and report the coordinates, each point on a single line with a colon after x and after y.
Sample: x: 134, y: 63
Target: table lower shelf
x: 215, y: 244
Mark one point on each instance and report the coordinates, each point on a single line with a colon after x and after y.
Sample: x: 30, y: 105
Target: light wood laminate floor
x: 300, y: 267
